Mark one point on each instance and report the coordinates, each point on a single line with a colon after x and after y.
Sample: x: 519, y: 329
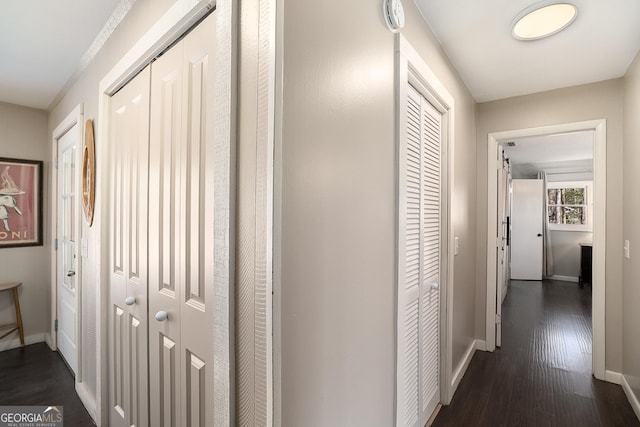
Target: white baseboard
x: 633, y: 399
x: 613, y: 377
x: 15, y: 343
x: 481, y: 345
x: 87, y: 400
x: 564, y: 278
x: 462, y: 367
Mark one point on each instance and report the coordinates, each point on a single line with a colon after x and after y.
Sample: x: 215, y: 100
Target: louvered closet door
x: 128, y: 145
x: 180, y: 233
x: 419, y: 263
x: 430, y: 275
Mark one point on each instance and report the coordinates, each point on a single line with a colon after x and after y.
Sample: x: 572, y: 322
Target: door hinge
x: 498, y: 319
x: 55, y: 325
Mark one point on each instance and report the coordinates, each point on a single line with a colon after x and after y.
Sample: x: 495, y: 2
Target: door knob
x: 71, y: 273
x: 434, y: 287
x: 161, y: 316
x: 130, y: 300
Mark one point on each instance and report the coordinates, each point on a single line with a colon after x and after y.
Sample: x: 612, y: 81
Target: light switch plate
x: 627, y: 249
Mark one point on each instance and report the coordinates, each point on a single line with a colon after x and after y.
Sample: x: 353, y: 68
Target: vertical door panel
x: 128, y: 354
x: 168, y: 380
x: 181, y: 180
x: 197, y: 297
x: 166, y: 219
x: 117, y: 356
x: 430, y: 275
x: 410, y: 267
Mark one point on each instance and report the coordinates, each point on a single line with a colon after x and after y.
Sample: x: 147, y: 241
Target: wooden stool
x: 16, y: 302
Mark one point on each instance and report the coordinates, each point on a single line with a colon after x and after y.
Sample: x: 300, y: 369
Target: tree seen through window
x: 567, y: 206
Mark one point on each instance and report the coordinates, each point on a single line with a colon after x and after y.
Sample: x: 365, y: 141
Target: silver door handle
x: 71, y: 273
x: 130, y: 300
x: 434, y: 287
x: 161, y: 316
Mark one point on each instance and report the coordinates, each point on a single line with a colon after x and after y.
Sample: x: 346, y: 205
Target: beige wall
x: 631, y: 229
x: 565, y: 247
x: 588, y: 102
x: 338, y: 211
x: 23, y: 135
x: 85, y: 91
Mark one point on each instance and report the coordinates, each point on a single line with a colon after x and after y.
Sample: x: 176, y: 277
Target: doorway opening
x: 495, y: 233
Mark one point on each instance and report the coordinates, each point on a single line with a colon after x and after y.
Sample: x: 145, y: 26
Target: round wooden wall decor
x: 88, y: 173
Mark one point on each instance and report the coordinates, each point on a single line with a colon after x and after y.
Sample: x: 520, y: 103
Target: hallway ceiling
x: 476, y: 35
x: 42, y: 44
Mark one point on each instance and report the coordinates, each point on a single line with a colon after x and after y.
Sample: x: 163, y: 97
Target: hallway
x: 35, y: 375
x: 542, y: 374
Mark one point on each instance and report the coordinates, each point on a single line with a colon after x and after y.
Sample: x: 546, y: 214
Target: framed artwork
x: 20, y: 202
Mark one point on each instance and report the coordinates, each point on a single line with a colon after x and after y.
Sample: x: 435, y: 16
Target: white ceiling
x: 476, y: 35
x: 559, y: 153
x: 42, y: 44
x: 563, y: 147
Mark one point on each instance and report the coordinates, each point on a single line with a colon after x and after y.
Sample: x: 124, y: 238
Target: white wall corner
x: 633, y: 399
x: 613, y: 377
x: 463, y: 365
x: 49, y: 341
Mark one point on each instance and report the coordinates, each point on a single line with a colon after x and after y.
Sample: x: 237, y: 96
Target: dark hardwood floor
x: 542, y: 374
x: 35, y: 375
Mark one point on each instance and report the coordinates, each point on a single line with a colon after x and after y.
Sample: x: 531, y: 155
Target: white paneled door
x: 68, y: 230
x: 526, y: 241
x: 162, y: 242
x: 419, y: 263
x: 128, y: 323
x: 181, y: 232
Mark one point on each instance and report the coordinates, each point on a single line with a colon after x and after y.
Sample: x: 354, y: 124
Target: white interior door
x: 181, y: 232
x: 419, y: 263
x: 526, y: 241
x: 502, y: 249
x: 129, y: 146
x: 68, y: 236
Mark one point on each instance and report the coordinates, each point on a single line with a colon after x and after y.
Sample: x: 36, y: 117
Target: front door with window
x: 67, y: 247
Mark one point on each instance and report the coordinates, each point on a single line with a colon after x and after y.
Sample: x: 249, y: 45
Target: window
x: 569, y: 205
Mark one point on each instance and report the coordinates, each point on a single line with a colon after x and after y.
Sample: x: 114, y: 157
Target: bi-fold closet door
x: 419, y: 262
x: 161, y: 329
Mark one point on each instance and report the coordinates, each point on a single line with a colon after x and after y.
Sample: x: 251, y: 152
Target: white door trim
x: 410, y: 67
x: 75, y: 118
x: 599, y: 227
x: 181, y: 16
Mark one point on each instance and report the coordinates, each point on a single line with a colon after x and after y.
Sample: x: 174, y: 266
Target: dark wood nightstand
x: 585, y: 264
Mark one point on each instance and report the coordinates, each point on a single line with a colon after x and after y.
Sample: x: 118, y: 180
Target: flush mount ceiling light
x: 540, y: 21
